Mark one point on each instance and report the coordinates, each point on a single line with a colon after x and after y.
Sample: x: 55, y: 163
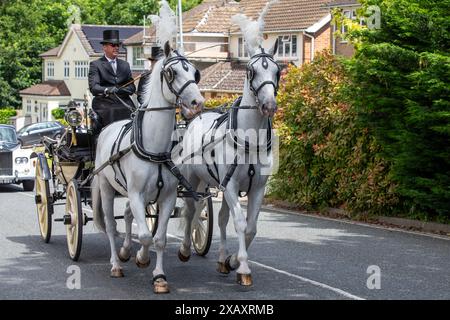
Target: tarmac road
x: 292, y: 257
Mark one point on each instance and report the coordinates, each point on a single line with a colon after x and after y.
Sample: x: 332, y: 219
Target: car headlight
x: 73, y: 118
x: 21, y: 160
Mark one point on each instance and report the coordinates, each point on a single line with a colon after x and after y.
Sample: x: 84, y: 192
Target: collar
x: 109, y: 60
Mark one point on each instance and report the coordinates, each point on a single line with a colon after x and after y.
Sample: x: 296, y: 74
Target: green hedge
x: 326, y: 159
x: 6, y: 114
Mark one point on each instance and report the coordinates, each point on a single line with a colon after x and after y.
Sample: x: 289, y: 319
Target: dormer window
x: 50, y: 69
x: 242, y: 50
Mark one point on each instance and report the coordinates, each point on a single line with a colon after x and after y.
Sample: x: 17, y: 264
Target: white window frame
x: 242, y: 49
x: 287, y: 40
x: 138, y: 58
x: 66, y: 69
x: 81, y: 69
x: 29, y: 105
x: 50, y: 69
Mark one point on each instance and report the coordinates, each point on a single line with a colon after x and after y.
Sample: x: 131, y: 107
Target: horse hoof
x: 117, y: 273
x: 182, y: 257
x: 140, y: 264
x: 123, y: 256
x: 160, y: 284
x: 244, y: 279
x: 222, y: 268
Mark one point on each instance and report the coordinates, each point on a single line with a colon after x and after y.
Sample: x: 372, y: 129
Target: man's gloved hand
x: 111, y: 90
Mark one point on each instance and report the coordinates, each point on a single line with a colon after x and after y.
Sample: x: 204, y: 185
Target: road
x: 292, y: 257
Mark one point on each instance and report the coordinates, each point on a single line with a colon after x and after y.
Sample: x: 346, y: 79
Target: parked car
x: 33, y: 133
x: 16, y: 164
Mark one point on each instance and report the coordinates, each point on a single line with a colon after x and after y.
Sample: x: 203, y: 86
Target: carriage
x: 64, y: 172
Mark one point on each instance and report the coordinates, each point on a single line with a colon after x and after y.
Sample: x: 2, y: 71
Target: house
x: 340, y: 46
x: 65, y: 71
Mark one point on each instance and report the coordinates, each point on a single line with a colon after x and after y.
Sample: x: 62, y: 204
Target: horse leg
x: 224, y: 215
x: 107, y: 194
x: 189, y: 211
x: 255, y: 199
x: 166, y: 205
x: 145, y: 238
x: 240, y: 224
x: 125, y: 251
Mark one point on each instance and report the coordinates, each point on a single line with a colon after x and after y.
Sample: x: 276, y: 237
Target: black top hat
x: 111, y: 36
x: 156, y: 53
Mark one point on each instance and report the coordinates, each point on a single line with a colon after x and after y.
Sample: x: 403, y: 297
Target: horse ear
x: 167, y: 48
x: 274, y: 49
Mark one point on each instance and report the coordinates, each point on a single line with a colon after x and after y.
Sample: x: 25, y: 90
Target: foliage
x: 401, y: 91
x: 6, y: 114
x: 326, y: 159
x: 216, y: 102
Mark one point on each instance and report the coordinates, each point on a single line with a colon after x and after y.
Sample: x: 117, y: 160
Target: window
x: 66, y: 69
x: 287, y: 46
x: 28, y: 106
x: 138, y: 55
x: 81, y: 69
x: 350, y: 14
x: 50, y: 69
x: 242, y: 50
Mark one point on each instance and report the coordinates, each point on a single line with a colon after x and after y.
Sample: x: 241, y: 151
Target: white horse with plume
x: 233, y: 152
x: 141, y: 174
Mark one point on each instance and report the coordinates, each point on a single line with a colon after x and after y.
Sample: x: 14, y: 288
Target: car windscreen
x: 8, y: 135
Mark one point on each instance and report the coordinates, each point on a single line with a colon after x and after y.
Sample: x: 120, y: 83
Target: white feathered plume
x: 252, y: 30
x: 165, y: 24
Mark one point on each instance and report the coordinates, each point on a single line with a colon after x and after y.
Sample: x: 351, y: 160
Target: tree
x: 401, y: 89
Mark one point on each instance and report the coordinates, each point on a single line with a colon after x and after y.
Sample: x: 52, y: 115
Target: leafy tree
x: 401, y: 77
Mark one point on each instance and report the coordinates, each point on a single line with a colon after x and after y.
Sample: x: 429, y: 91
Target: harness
x: 230, y: 118
x: 136, y: 143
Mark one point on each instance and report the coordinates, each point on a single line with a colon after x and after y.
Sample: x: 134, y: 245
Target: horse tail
x: 99, y: 216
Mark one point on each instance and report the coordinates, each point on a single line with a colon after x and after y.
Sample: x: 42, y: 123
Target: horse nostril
x: 194, y: 102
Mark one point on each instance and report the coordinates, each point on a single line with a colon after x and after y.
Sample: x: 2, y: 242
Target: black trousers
x: 110, y: 109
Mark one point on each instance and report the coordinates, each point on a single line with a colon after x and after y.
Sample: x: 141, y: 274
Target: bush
x: 326, y: 159
x: 6, y: 114
x: 401, y: 76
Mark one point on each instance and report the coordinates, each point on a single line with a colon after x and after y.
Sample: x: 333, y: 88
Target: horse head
x: 263, y: 77
x: 180, y: 80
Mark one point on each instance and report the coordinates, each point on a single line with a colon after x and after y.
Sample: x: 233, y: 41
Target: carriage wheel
x: 152, y: 223
x: 202, y: 229
x: 74, y: 220
x: 44, y: 205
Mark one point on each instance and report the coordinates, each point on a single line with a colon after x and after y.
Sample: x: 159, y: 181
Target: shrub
x: 326, y: 158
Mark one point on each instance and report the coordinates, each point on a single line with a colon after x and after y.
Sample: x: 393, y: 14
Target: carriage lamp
x: 21, y: 160
x: 74, y: 118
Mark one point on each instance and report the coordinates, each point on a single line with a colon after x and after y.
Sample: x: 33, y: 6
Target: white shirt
x: 113, y: 63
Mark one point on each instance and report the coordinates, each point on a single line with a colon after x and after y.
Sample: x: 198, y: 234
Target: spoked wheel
x: 152, y: 222
x: 44, y: 205
x: 202, y: 229
x: 74, y: 220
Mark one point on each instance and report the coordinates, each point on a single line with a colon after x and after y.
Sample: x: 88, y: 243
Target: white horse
x: 244, y: 167
x: 140, y: 174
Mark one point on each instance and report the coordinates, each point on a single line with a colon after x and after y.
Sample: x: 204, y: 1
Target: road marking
x: 315, y: 283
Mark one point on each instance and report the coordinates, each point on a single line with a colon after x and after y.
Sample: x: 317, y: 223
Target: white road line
x: 315, y: 283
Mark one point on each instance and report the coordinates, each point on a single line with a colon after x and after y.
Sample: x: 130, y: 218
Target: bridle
x: 266, y: 58
x: 168, y: 74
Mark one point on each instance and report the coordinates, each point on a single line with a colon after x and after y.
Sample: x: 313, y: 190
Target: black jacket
x: 102, y: 76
